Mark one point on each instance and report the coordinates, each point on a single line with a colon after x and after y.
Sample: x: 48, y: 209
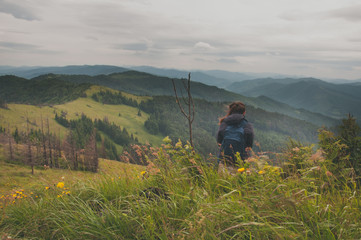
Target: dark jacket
x: 236, y: 119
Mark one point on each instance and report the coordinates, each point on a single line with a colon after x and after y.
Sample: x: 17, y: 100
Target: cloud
x: 203, y: 46
x: 293, y: 15
x: 18, y: 46
x: 227, y: 60
x: 24, y: 47
x: 17, y: 11
x: 133, y: 46
x: 351, y: 13
x: 355, y: 39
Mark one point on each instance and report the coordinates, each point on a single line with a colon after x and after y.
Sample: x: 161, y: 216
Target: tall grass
x: 181, y: 197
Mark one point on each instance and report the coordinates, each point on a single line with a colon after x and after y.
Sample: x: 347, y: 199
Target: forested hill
x: 140, y: 83
x: 334, y: 100
x: 40, y: 91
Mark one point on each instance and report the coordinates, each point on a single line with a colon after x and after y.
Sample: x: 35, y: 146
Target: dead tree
x: 43, y: 141
x: 11, y: 151
x: 57, y: 150
x: 188, y: 101
x: 70, y: 150
x: 49, y: 144
x: 29, y: 153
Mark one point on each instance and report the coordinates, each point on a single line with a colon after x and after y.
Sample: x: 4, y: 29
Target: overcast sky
x: 319, y: 38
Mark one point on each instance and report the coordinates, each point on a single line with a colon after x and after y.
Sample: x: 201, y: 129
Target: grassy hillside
x: 121, y: 115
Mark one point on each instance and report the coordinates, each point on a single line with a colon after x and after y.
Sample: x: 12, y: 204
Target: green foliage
x: 349, y: 134
x: 16, y: 135
x: 343, y: 150
x: 152, y: 125
x: 108, y: 97
x: 82, y: 129
x: 114, y: 132
x: 110, y: 150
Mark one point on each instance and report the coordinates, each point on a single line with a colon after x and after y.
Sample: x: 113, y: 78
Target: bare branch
x: 188, y: 102
x: 177, y: 99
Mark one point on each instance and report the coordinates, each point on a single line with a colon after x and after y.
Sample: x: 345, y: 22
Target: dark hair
x: 235, y: 107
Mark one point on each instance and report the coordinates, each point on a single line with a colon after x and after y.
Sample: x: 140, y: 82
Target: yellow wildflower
x: 167, y: 140
x: 46, y: 188
x: 143, y: 173
x: 261, y: 172
x: 178, y: 144
x: 241, y: 170
x: 60, y: 185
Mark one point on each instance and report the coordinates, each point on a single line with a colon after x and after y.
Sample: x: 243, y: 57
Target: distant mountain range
x: 31, y: 72
x: 334, y: 100
x: 219, y: 78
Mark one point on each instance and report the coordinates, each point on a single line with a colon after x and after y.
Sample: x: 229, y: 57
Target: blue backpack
x: 234, y: 141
